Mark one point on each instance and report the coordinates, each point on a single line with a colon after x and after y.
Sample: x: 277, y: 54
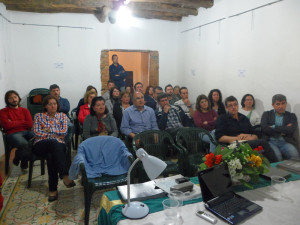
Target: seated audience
x: 85, y: 109
x: 279, y: 127
x: 120, y: 107
x: 129, y: 89
x: 149, y: 91
x: 50, y: 129
x: 101, y: 156
x: 248, y: 105
x: 110, y: 85
x: 138, y: 87
x: 176, y: 91
x: 64, y: 103
x: 185, y: 103
x: 152, y: 102
x: 171, y: 96
x: 17, y: 123
x: 170, y: 117
x: 138, y: 117
x: 234, y: 126
x: 100, y: 122
x: 205, y: 117
x: 114, y: 98
x: 215, y: 98
x: 81, y: 101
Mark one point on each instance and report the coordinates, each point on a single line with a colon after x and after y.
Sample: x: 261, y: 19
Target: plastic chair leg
x: 88, y: 192
x: 31, y: 162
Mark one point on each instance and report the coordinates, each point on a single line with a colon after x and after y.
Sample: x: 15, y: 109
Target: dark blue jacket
x: 122, y: 74
x: 150, y: 102
x: 64, y: 105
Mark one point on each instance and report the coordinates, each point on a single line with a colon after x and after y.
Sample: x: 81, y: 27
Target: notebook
x: 276, y: 172
x: 292, y: 165
x: 219, y: 197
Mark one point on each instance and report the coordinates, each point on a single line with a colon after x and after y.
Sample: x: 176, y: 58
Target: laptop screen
x: 214, y: 182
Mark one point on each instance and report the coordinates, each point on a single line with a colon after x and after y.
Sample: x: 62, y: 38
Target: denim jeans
x: 283, y: 149
x: 205, y: 138
x: 20, y: 140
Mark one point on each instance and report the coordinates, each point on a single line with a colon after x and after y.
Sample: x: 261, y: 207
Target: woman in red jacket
x: 85, y: 109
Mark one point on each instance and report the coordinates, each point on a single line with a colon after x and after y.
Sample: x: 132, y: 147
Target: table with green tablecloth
x: 111, y: 203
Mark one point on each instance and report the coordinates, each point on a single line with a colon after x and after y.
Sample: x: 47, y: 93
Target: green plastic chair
x: 159, y: 144
x: 7, y: 149
x: 34, y: 157
x: 34, y: 100
x: 90, y: 185
x: 190, y: 140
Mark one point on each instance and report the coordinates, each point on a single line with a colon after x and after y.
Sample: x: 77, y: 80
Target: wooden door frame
x: 105, y: 63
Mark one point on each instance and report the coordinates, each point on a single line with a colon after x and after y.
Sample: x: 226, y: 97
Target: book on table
x: 142, y: 191
x: 292, y: 165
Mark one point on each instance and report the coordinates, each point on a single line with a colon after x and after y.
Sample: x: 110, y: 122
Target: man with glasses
x: 138, y: 117
x: 234, y: 126
x: 17, y: 123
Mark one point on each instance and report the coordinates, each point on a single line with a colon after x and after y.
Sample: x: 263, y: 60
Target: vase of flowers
x: 244, y: 163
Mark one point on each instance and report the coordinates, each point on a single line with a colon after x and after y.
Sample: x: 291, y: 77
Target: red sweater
x: 201, y: 117
x: 15, y: 120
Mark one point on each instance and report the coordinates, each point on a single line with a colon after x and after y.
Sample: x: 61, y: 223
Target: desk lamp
x: 153, y: 167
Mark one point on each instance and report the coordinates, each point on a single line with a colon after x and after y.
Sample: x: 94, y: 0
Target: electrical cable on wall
x: 43, y: 25
x: 238, y: 14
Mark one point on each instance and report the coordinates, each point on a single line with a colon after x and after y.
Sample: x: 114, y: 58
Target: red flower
x: 218, y: 159
x: 259, y: 148
x: 211, y: 159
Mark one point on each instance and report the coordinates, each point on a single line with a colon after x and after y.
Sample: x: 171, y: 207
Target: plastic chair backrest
x: 155, y: 142
x: 190, y: 140
x: 35, y: 99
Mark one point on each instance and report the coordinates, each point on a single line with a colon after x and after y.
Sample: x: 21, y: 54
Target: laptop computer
x: 219, y: 197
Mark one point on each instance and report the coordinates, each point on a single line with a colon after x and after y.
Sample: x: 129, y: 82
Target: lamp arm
x: 128, y: 180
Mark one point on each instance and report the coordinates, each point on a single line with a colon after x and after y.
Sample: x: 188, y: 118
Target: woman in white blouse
x: 248, y: 104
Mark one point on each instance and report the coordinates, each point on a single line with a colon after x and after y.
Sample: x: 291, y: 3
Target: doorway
x: 141, y: 66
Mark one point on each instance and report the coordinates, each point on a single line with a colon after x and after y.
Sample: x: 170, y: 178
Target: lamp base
x: 136, y: 210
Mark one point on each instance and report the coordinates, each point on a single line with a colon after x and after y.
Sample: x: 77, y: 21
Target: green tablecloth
x: 111, y: 203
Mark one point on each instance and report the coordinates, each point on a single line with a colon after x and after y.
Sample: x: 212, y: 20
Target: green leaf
x: 246, y: 184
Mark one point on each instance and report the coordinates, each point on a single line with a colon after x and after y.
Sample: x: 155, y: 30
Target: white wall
x: 266, y: 47
x: 5, y: 61
x: 35, y: 50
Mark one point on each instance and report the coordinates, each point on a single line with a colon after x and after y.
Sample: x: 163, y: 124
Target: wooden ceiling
x: 172, y: 10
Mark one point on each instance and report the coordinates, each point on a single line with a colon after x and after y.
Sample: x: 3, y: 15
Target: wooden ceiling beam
x: 149, y: 14
x: 186, y: 3
x: 50, y: 9
x: 163, y: 8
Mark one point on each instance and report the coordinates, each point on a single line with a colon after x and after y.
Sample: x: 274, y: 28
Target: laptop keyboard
x: 231, y: 206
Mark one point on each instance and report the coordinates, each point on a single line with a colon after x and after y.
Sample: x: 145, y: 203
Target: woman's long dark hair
x: 210, y: 96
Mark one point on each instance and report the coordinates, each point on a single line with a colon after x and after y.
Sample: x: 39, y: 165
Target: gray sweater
x: 90, y: 126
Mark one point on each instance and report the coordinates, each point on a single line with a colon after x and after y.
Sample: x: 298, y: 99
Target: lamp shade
x: 152, y: 165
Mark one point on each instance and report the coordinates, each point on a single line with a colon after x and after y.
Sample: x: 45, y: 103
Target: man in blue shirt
x: 117, y: 73
x: 63, y: 102
x: 138, y: 117
x: 280, y: 128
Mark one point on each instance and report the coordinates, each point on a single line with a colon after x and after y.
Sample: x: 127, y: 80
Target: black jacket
x: 289, y: 133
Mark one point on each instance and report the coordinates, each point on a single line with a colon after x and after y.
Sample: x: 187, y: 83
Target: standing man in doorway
x: 117, y: 73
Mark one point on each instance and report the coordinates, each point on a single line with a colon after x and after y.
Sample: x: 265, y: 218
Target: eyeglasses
x: 232, y: 105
